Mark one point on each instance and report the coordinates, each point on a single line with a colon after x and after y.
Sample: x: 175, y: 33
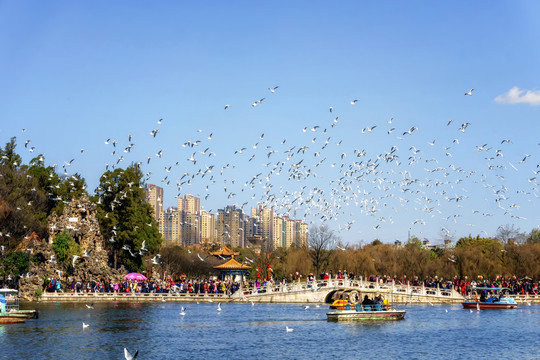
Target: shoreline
x: 223, y: 298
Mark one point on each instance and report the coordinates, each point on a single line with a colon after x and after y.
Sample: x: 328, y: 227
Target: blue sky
x: 75, y: 74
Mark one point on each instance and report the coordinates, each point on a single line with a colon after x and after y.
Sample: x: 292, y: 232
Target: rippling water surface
x: 243, y: 331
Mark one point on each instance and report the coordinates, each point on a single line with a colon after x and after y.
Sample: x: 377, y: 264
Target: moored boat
x: 372, y: 307
x: 12, y: 304
x: 485, y: 298
x: 8, y: 317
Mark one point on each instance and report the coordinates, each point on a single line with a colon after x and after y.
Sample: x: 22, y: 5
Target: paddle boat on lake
x: 11, y: 297
x: 8, y: 317
x: 351, y: 306
x: 484, y: 298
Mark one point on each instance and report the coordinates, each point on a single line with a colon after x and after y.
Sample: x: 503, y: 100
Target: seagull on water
x: 91, y: 306
x: 288, y: 329
x: 84, y: 326
x: 183, y: 312
x: 218, y: 307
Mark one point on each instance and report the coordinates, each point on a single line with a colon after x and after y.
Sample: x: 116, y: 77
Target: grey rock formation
x: 80, y: 221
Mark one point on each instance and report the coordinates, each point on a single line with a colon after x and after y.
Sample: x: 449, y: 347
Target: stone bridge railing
x: 296, y: 292
x: 322, y: 288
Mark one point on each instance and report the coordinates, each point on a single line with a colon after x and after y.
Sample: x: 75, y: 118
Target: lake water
x: 243, y: 331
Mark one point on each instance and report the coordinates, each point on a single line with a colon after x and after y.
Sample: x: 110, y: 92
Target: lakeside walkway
x: 297, y: 292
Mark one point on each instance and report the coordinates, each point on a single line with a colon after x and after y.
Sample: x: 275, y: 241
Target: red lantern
x: 268, y: 271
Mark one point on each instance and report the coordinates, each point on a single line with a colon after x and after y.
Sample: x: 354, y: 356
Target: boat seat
x: 377, y: 307
x: 367, y: 307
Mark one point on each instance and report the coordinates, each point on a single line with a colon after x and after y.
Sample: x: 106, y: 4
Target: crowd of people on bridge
x: 227, y: 287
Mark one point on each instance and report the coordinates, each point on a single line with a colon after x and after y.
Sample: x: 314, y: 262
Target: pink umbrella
x: 135, y: 276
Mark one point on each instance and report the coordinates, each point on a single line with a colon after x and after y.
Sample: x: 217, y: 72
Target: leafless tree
x: 320, y: 241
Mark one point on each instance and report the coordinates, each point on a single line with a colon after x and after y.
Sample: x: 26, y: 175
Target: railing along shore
x: 290, y: 292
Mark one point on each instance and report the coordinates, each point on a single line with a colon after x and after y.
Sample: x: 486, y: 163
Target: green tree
x: 125, y: 218
x: 8, y: 156
x: 534, y: 237
x: 22, y: 202
x: 65, y: 247
x: 15, y: 264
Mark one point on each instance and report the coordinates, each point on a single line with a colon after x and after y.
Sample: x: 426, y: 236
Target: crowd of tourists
x: 514, y: 285
x: 215, y: 286
x: 197, y: 286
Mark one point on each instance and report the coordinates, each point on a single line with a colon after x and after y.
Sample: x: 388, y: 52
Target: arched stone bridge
x: 323, y: 292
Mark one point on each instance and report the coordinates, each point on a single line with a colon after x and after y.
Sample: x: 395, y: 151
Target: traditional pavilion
x: 232, y: 270
x: 224, y: 252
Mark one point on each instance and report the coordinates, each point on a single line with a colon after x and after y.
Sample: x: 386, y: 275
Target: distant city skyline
x: 187, y: 224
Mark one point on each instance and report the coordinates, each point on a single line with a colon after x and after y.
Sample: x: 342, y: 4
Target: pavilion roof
x: 224, y: 251
x: 232, y: 265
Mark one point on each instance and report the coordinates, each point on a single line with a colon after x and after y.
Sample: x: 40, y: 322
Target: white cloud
x: 517, y: 96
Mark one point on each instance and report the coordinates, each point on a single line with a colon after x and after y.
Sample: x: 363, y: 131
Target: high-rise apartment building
x: 277, y: 233
x: 189, y: 208
x: 230, y: 227
x: 190, y: 228
x: 290, y: 232
x: 207, y: 228
x: 154, y: 196
x: 190, y: 204
x: 170, y: 226
x: 265, y: 218
x: 301, y: 233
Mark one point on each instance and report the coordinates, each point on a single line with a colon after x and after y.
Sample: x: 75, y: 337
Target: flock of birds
x: 325, y: 180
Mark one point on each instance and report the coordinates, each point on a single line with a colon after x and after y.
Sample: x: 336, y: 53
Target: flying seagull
x: 129, y: 356
x: 470, y: 92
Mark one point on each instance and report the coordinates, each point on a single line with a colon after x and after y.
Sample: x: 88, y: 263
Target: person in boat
x: 482, y: 297
x: 367, y: 301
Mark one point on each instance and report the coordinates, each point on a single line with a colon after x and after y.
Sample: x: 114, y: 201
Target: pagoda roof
x: 232, y: 265
x: 224, y: 251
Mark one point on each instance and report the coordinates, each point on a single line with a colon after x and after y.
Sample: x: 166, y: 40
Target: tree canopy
x: 125, y: 218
